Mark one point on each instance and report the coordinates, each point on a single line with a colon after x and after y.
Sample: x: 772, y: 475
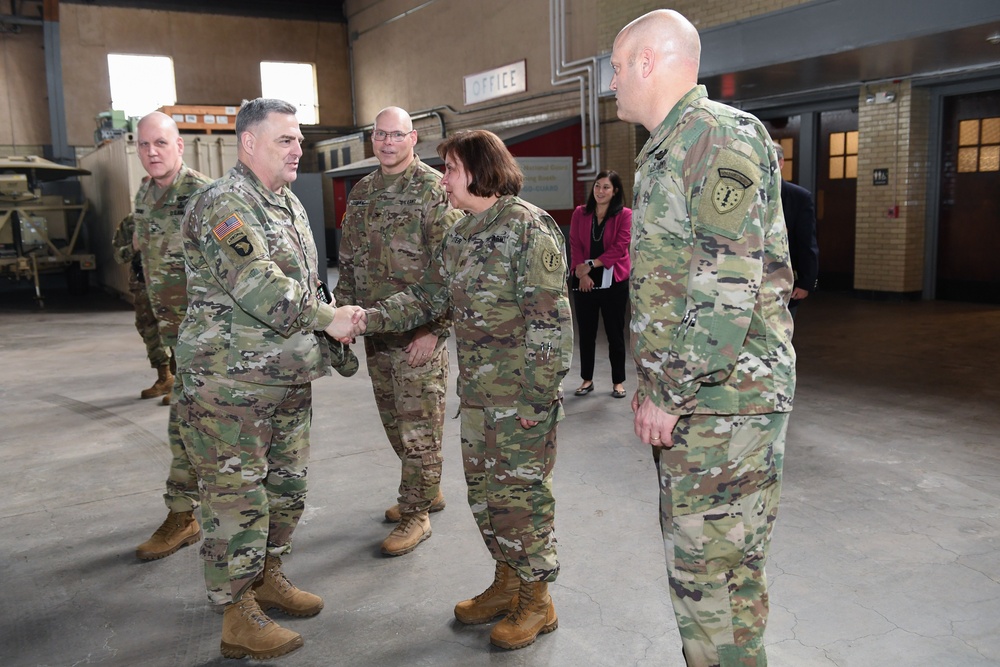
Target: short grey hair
x: 253, y: 112
x: 779, y: 150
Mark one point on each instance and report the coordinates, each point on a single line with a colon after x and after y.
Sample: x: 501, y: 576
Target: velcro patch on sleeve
x: 546, y: 266
x: 729, y: 193
x: 242, y: 245
x: 227, y: 227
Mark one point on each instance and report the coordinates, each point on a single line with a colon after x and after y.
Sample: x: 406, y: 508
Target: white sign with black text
x: 497, y: 82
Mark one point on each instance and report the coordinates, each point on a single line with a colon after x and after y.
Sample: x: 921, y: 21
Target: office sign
x: 494, y: 83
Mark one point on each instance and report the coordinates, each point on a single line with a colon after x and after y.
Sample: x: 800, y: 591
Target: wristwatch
x: 589, y: 262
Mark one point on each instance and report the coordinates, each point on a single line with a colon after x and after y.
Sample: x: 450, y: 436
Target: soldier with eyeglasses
x: 396, y: 218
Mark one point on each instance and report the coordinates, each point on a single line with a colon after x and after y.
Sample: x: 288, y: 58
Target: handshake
x: 348, y: 322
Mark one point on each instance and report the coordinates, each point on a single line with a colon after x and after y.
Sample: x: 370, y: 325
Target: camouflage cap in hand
x: 342, y: 358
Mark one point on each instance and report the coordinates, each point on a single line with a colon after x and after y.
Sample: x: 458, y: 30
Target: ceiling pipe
x: 584, y: 72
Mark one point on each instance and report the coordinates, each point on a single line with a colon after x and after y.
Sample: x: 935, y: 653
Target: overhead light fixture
x: 994, y: 38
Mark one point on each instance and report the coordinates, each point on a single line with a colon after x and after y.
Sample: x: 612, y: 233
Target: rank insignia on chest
x: 729, y: 190
x: 227, y: 227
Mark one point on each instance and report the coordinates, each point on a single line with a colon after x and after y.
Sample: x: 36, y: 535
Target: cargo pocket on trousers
x: 211, y: 440
x: 709, y: 543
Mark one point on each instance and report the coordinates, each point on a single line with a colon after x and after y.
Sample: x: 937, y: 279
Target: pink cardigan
x: 617, y: 237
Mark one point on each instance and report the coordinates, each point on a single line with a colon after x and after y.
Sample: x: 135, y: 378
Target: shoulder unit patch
x: 732, y: 189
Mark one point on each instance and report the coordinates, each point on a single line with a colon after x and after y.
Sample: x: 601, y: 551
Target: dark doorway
x: 836, y: 197
x: 969, y: 217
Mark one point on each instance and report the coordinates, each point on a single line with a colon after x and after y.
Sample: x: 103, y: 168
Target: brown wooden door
x: 836, y: 197
x: 969, y: 220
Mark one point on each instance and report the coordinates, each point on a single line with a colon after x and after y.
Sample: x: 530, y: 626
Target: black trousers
x: 609, y: 304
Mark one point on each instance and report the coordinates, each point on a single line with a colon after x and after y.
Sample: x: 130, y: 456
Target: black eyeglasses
x: 382, y: 135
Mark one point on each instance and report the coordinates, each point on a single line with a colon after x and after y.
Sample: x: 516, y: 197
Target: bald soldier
x: 396, y: 218
x: 159, y: 207
x: 711, y: 335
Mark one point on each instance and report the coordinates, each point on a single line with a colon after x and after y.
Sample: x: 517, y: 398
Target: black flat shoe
x: 583, y: 391
x: 618, y: 393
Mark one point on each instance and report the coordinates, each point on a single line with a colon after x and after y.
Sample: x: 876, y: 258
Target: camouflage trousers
x: 182, y: 480
x: 249, y: 444
x: 508, y: 470
x: 719, y: 489
x: 146, y: 325
x: 411, y: 403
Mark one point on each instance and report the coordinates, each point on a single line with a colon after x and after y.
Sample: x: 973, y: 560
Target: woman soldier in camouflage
x: 502, y: 270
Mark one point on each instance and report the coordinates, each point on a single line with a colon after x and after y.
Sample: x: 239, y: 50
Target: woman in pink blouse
x: 599, y: 237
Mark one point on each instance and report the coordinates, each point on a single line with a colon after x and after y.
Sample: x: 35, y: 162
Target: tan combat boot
x: 178, y: 530
x: 247, y: 631
x: 497, y: 600
x: 534, y: 615
x: 274, y: 590
x: 411, y: 531
x: 393, y: 515
x: 173, y: 370
x: 164, y: 383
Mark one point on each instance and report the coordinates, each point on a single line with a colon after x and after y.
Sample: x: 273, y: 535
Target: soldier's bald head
x: 398, y: 117
x: 160, y: 147
x: 669, y: 34
x: 656, y: 59
x: 393, y: 140
x: 159, y: 120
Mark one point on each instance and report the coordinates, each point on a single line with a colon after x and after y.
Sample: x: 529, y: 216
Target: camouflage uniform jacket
x: 124, y: 253
x: 504, y: 274
x: 254, y: 311
x: 158, y: 224
x: 390, y: 235
x: 710, y: 269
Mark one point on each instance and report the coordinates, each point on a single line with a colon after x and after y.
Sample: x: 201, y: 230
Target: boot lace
x: 526, y: 596
x: 170, y: 524
x: 404, y: 524
x: 251, y: 611
x: 495, y: 587
x: 278, y: 578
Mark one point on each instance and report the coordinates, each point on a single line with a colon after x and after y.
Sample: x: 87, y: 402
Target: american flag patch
x: 227, y: 227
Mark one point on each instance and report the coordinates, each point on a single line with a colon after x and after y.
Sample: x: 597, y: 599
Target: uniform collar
x: 275, y: 198
x: 169, y: 193
x: 667, y: 126
x: 402, y: 178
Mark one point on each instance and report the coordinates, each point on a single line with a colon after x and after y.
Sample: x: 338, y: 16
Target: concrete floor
x: 885, y: 551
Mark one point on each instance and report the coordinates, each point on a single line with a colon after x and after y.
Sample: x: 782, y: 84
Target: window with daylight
x: 295, y: 83
x: 979, y: 145
x: 844, y: 154
x: 141, y: 84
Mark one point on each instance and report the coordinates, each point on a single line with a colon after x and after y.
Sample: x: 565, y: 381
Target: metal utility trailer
x: 39, y: 233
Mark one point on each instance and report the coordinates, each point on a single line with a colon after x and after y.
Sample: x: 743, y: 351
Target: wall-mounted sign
x: 880, y: 177
x: 497, y: 82
x: 548, y: 182
x: 604, y: 75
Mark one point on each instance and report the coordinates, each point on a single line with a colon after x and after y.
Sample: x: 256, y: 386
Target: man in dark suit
x: 800, y: 220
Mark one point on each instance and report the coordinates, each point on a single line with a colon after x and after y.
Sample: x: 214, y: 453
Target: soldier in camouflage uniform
x: 249, y: 347
x: 711, y: 335
x: 145, y: 322
x: 396, y: 218
x: 159, y: 207
x: 502, y: 269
